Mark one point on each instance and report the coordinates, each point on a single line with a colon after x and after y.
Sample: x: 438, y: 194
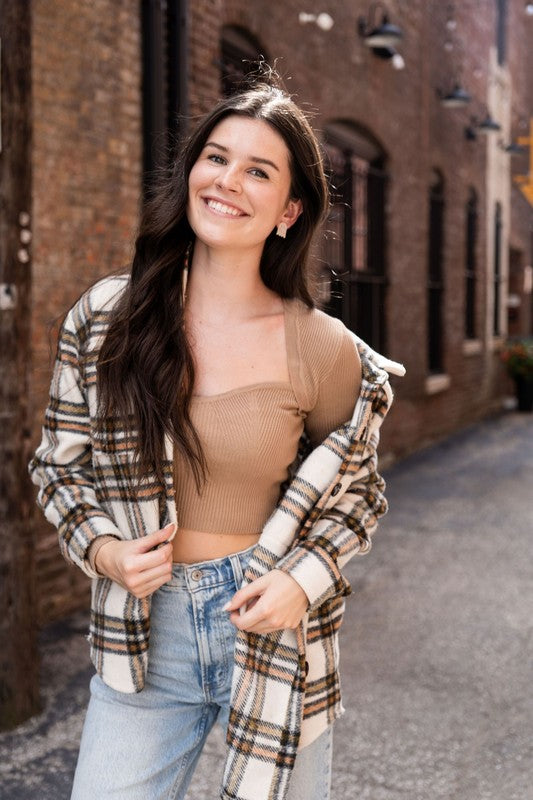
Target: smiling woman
x: 189, y: 392
x: 227, y: 181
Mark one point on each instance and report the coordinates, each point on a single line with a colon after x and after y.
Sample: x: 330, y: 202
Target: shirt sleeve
x: 353, y: 505
x: 338, y: 390
x: 62, y: 464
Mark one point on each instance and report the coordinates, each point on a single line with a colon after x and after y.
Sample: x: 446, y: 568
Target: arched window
x: 240, y: 52
x: 470, y: 266
x: 355, y: 244
x: 435, y: 286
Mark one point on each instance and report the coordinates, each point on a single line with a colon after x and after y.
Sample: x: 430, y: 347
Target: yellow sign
x: 525, y: 182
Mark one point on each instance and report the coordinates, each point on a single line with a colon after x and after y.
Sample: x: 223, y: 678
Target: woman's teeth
x: 223, y: 209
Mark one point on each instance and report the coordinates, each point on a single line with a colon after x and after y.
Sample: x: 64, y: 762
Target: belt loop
x: 238, y: 574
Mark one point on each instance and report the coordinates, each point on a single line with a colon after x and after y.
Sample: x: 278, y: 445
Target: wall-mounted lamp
x: 389, y: 53
x: 323, y: 20
x: 486, y: 127
x: 457, y: 98
x: 513, y: 148
x: 378, y: 36
x: 529, y: 9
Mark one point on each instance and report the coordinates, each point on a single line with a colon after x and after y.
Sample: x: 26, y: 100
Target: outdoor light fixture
x: 513, y: 148
x: 487, y: 126
x: 390, y: 54
x: 323, y: 20
x: 397, y: 61
x: 379, y: 36
x: 457, y: 98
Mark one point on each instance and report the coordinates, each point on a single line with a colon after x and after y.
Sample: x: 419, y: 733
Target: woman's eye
x: 216, y: 158
x: 259, y: 173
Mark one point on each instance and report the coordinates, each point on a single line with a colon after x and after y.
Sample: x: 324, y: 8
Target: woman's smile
x: 220, y: 207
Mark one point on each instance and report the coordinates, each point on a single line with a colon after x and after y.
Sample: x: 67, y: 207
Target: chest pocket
x: 114, y: 462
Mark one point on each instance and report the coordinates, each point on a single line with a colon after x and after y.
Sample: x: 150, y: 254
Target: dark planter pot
x: 524, y: 393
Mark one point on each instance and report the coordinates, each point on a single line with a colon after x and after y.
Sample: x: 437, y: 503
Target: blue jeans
x: 146, y: 745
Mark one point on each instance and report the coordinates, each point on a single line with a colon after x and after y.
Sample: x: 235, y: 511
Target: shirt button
x: 336, y: 489
x: 196, y: 574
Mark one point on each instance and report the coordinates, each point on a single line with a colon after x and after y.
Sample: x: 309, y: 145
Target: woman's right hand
x: 135, y: 565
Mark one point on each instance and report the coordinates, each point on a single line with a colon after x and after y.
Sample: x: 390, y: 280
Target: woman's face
x: 239, y: 188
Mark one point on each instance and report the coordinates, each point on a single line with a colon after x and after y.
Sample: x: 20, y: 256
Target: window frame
x: 471, y: 232
x: 435, y: 274
x: 497, y: 277
x: 356, y: 167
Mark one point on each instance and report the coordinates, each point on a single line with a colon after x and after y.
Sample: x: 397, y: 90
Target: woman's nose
x: 229, y: 179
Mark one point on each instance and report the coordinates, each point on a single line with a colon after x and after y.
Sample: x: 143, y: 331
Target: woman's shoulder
x: 317, y: 321
x: 321, y: 337
x: 97, y: 301
x: 319, y: 347
x: 106, y: 292
x: 326, y: 369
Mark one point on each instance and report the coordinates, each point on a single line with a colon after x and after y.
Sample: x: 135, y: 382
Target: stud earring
x: 281, y: 230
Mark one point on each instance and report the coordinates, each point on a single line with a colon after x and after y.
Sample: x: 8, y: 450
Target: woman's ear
x: 292, y: 212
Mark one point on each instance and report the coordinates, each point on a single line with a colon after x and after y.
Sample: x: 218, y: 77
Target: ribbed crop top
x: 250, y: 435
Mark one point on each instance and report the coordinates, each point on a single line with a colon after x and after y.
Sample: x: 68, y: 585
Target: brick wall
x: 86, y: 191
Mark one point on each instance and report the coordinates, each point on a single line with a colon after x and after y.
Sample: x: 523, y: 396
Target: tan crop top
x: 250, y: 435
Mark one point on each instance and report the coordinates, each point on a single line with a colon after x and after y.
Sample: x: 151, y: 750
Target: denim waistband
x: 210, y: 573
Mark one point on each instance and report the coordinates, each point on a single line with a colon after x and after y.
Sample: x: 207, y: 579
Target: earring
x: 281, y: 230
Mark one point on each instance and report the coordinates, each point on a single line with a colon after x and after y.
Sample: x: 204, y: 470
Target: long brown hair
x: 145, y: 365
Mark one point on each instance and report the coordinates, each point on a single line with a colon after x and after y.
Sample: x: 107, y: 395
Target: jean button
x: 196, y: 574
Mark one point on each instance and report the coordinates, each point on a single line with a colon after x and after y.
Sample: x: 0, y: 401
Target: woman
x: 184, y: 392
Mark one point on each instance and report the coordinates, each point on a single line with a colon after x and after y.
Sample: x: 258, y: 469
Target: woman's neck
x: 221, y: 284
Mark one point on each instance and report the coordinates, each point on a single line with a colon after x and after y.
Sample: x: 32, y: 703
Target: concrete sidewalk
x: 437, y: 646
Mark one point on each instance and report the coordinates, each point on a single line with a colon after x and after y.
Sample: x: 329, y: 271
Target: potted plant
x: 517, y: 355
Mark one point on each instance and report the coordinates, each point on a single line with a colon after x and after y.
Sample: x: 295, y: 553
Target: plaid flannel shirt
x: 286, y: 687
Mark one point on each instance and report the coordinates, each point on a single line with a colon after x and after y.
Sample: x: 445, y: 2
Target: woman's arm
x: 62, y: 465
x: 342, y: 531
x: 311, y: 571
x: 62, y: 468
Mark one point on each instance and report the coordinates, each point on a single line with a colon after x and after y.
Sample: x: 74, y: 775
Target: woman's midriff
x: 190, y: 546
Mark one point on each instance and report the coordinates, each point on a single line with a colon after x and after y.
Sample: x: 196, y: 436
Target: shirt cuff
x: 95, y: 546
x: 315, y: 571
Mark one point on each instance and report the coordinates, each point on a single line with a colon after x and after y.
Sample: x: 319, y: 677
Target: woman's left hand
x: 273, y: 602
